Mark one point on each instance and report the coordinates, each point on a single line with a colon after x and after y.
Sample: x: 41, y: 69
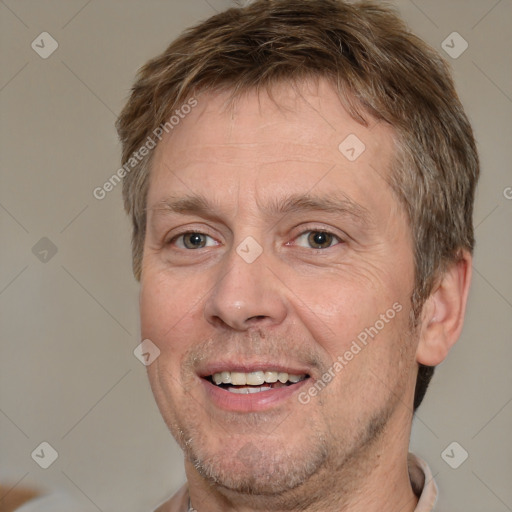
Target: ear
x: 443, y: 312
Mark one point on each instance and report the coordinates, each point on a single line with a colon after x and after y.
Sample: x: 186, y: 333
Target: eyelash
x: 179, y: 236
x: 308, y: 232
x: 174, y: 239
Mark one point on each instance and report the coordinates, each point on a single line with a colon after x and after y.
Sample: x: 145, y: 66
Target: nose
x: 246, y: 295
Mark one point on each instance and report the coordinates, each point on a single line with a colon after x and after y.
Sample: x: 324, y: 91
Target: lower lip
x: 250, y: 402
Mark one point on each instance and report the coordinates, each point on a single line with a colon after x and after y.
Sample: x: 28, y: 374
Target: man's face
x: 269, y: 251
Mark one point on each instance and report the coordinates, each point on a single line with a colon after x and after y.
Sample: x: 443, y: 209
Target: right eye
x: 193, y: 240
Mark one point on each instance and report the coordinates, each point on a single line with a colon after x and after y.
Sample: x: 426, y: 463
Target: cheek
x: 369, y: 361
x: 167, y: 319
x: 166, y: 311
x: 336, y: 309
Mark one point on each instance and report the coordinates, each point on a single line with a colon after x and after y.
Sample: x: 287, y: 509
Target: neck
x: 374, y: 480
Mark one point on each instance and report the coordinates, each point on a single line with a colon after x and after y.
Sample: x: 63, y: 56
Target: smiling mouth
x: 254, y: 382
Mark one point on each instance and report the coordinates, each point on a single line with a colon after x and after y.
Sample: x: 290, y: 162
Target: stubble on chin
x: 280, y: 473
x: 239, y: 462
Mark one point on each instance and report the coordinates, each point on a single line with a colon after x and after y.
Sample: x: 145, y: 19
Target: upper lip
x: 247, y: 367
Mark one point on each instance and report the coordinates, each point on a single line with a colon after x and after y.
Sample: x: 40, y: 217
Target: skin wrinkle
x: 303, y: 451
x: 200, y: 206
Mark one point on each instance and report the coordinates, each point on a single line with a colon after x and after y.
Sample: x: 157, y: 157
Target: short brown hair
x: 379, y: 69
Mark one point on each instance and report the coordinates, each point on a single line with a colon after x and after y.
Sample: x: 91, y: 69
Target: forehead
x: 291, y: 138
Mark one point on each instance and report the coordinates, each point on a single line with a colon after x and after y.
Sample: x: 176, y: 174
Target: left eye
x: 318, y: 239
x: 194, y: 241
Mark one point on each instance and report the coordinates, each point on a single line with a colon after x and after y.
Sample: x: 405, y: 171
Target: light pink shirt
x: 421, y: 479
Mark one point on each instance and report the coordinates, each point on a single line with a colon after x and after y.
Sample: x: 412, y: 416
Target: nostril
x: 259, y: 317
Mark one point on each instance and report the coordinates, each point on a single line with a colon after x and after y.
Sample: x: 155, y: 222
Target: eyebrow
x: 189, y: 204
x: 196, y: 204
x: 330, y: 203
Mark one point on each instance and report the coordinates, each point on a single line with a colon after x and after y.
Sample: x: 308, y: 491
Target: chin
x: 257, y: 467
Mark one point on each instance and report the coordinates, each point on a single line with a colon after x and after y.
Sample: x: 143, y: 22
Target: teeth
x: 270, y: 377
x: 238, y: 379
x: 282, y: 377
x: 255, y: 378
x: 246, y: 391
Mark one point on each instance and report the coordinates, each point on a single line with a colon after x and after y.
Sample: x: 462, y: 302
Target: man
x: 300, y: 176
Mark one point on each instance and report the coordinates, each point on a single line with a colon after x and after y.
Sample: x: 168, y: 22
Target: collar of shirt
x: 422, y: 483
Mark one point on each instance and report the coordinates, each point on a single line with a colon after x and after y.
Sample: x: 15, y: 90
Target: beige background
x: 69, y: 325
